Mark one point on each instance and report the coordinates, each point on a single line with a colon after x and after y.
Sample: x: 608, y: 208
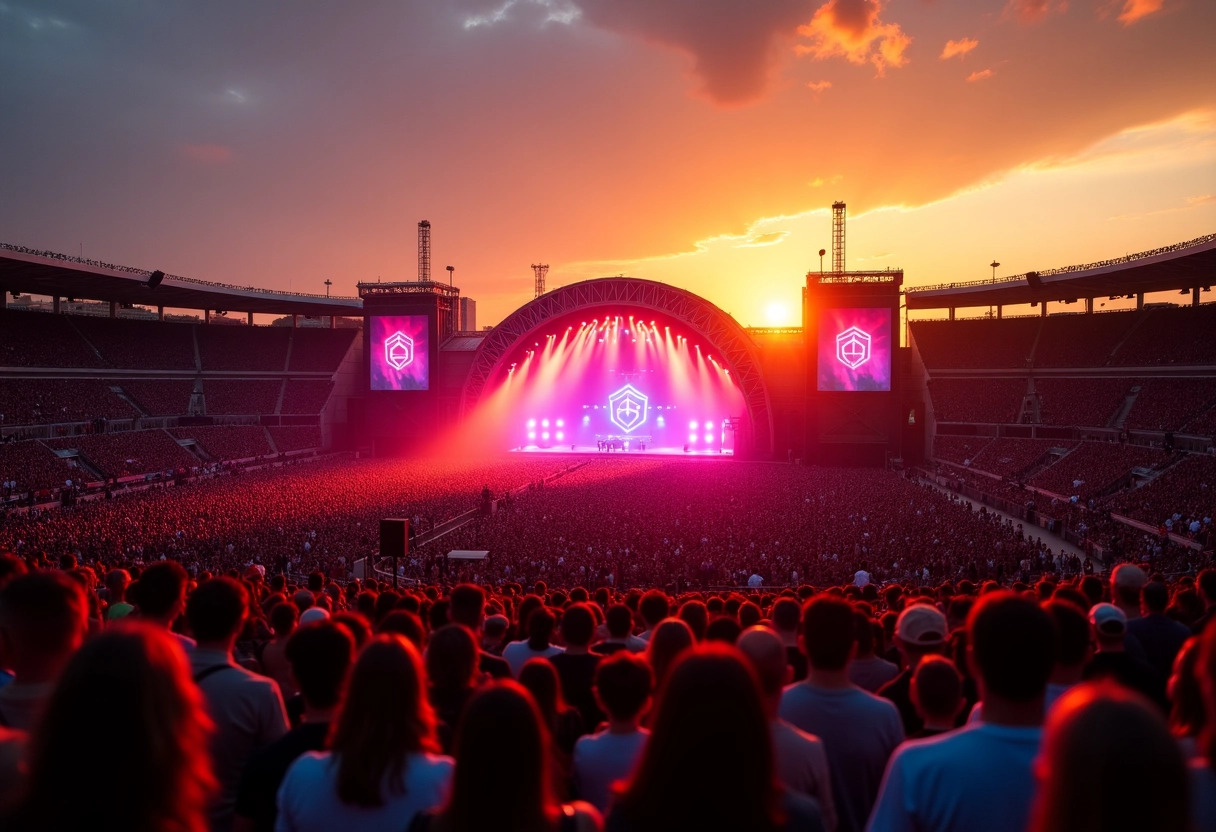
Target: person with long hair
x: 516, y: 797
x: 1100, y: 739
x: 1188, y: 716
x: 126, y: 695
x: 668, y: 640
x: 563, y: 721
x: 1203, y: 768
x: 708, y: 764
x: 381, y: 768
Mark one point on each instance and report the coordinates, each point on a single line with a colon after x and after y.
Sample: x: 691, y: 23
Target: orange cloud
x: 852, y: 29
x: 207, y: 154
x: 958, y: 47
x: 981, y: 75
x: 1030, y: 11
x: 1133, y: 10
x: 818, y: 86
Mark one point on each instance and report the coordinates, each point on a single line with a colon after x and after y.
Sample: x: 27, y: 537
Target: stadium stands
x: 32, y: 466
x: 34, y: 339
x: 990, y: 343
x: 288, y: 439
x: 162, y: 397
x: 229, y: 441
x: 48, y: 401
x: 319, y: 349
x: 139, y: 345
x: 228, y: 397
x: 1170, y: 403
x: 961, y: 450
x: 130, y: 453
x: 1095, y: 466
x: 1187, y: 489
x: 243, y: 348
x: 977, y: 399
x: 1171, y: 337
x: 1085, y: 402
x: 1008, y: 456
x: 306, y: 396
x: 1082, y: 340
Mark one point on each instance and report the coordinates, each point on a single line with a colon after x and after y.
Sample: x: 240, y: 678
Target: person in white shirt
x: 537, y: 645
x: 980, y: 776
x: 381, y: 769
x: 623, y: 687
x: 861, y: 577
x: 802, y: 763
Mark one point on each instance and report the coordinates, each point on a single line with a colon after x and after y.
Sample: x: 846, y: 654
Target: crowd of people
x: 246, y: 701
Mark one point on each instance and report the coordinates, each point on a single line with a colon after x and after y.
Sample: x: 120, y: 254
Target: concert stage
x: 590, y: 450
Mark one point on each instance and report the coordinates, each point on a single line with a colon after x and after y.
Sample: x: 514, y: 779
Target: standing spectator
x: 537, y: 645
x: 859, y: 730
x: 42, y: 623
x: 381, y: 769
x: 564, y: 723
x: 117, y: 582
x: 246, y: 708
x: 868, y: 671
x: 618, y: 622
x: 1096, y: 744
x: 1160, y: 636
x: 486, y: 794
x: 1206, y: 582
x: 467, y: 606
x: 127, y: 691
x: 920, y: 631
x: 981, y: 776
x: 1203, y: 769
x: 937, y: 695
x: 709, y: 789
x: 786, y: 616
x: 576, y: 665
x: 160, y: 596
x: 451, y: 667
x: 1074, y: 648
x: 654, y: 607
x: 283, y: 619
x: 802, y: 763
x: 671, y: 638
x: 1112, y: 659
x: 623, y: 686
x: 319, y: 657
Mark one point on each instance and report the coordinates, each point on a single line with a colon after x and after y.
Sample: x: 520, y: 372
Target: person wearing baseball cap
x: 920, y: 631
x: 1114, y: 662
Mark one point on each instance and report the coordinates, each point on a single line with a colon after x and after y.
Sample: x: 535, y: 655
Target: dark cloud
x: 734, y: 45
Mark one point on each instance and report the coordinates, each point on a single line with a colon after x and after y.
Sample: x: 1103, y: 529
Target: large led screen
x: 855, y: 349
x: 400, y: 352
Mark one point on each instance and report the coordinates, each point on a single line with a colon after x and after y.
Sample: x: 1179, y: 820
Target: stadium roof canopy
x: 56, y: 275
x: 1178, y: 267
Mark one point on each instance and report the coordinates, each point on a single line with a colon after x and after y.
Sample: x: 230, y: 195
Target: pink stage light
x: 709, y: 437
x: 692, y: 437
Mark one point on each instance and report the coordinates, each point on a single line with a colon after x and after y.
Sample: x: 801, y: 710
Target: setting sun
x: 777, y: 313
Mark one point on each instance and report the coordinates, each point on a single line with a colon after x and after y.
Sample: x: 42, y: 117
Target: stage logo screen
x: 855, y: 349
x: 400, y: 352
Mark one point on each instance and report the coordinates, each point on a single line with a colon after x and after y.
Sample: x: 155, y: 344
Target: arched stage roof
x: 708, y: 321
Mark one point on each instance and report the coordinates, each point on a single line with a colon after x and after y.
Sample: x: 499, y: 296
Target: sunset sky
x: 698, y: 142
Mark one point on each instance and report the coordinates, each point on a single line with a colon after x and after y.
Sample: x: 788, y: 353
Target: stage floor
x: 584, y: 450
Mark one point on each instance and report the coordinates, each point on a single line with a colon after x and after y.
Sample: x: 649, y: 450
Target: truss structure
x: 729, y: 340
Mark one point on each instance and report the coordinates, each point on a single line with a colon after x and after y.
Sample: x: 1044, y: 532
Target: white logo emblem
x: 627, y: 408
x: 399, y: 350
x: 853, y: 347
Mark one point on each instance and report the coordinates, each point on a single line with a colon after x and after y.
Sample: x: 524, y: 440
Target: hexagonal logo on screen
x: 399, y: 350
x: 853, y: 347
x: 627, y: 408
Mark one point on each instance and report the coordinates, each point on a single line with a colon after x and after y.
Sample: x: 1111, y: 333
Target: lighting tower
x: 838, y: 236
x: 424, y: 251
x: 540, y: 270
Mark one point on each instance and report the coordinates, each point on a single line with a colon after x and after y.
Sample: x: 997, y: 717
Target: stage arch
x: 711, y: 323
